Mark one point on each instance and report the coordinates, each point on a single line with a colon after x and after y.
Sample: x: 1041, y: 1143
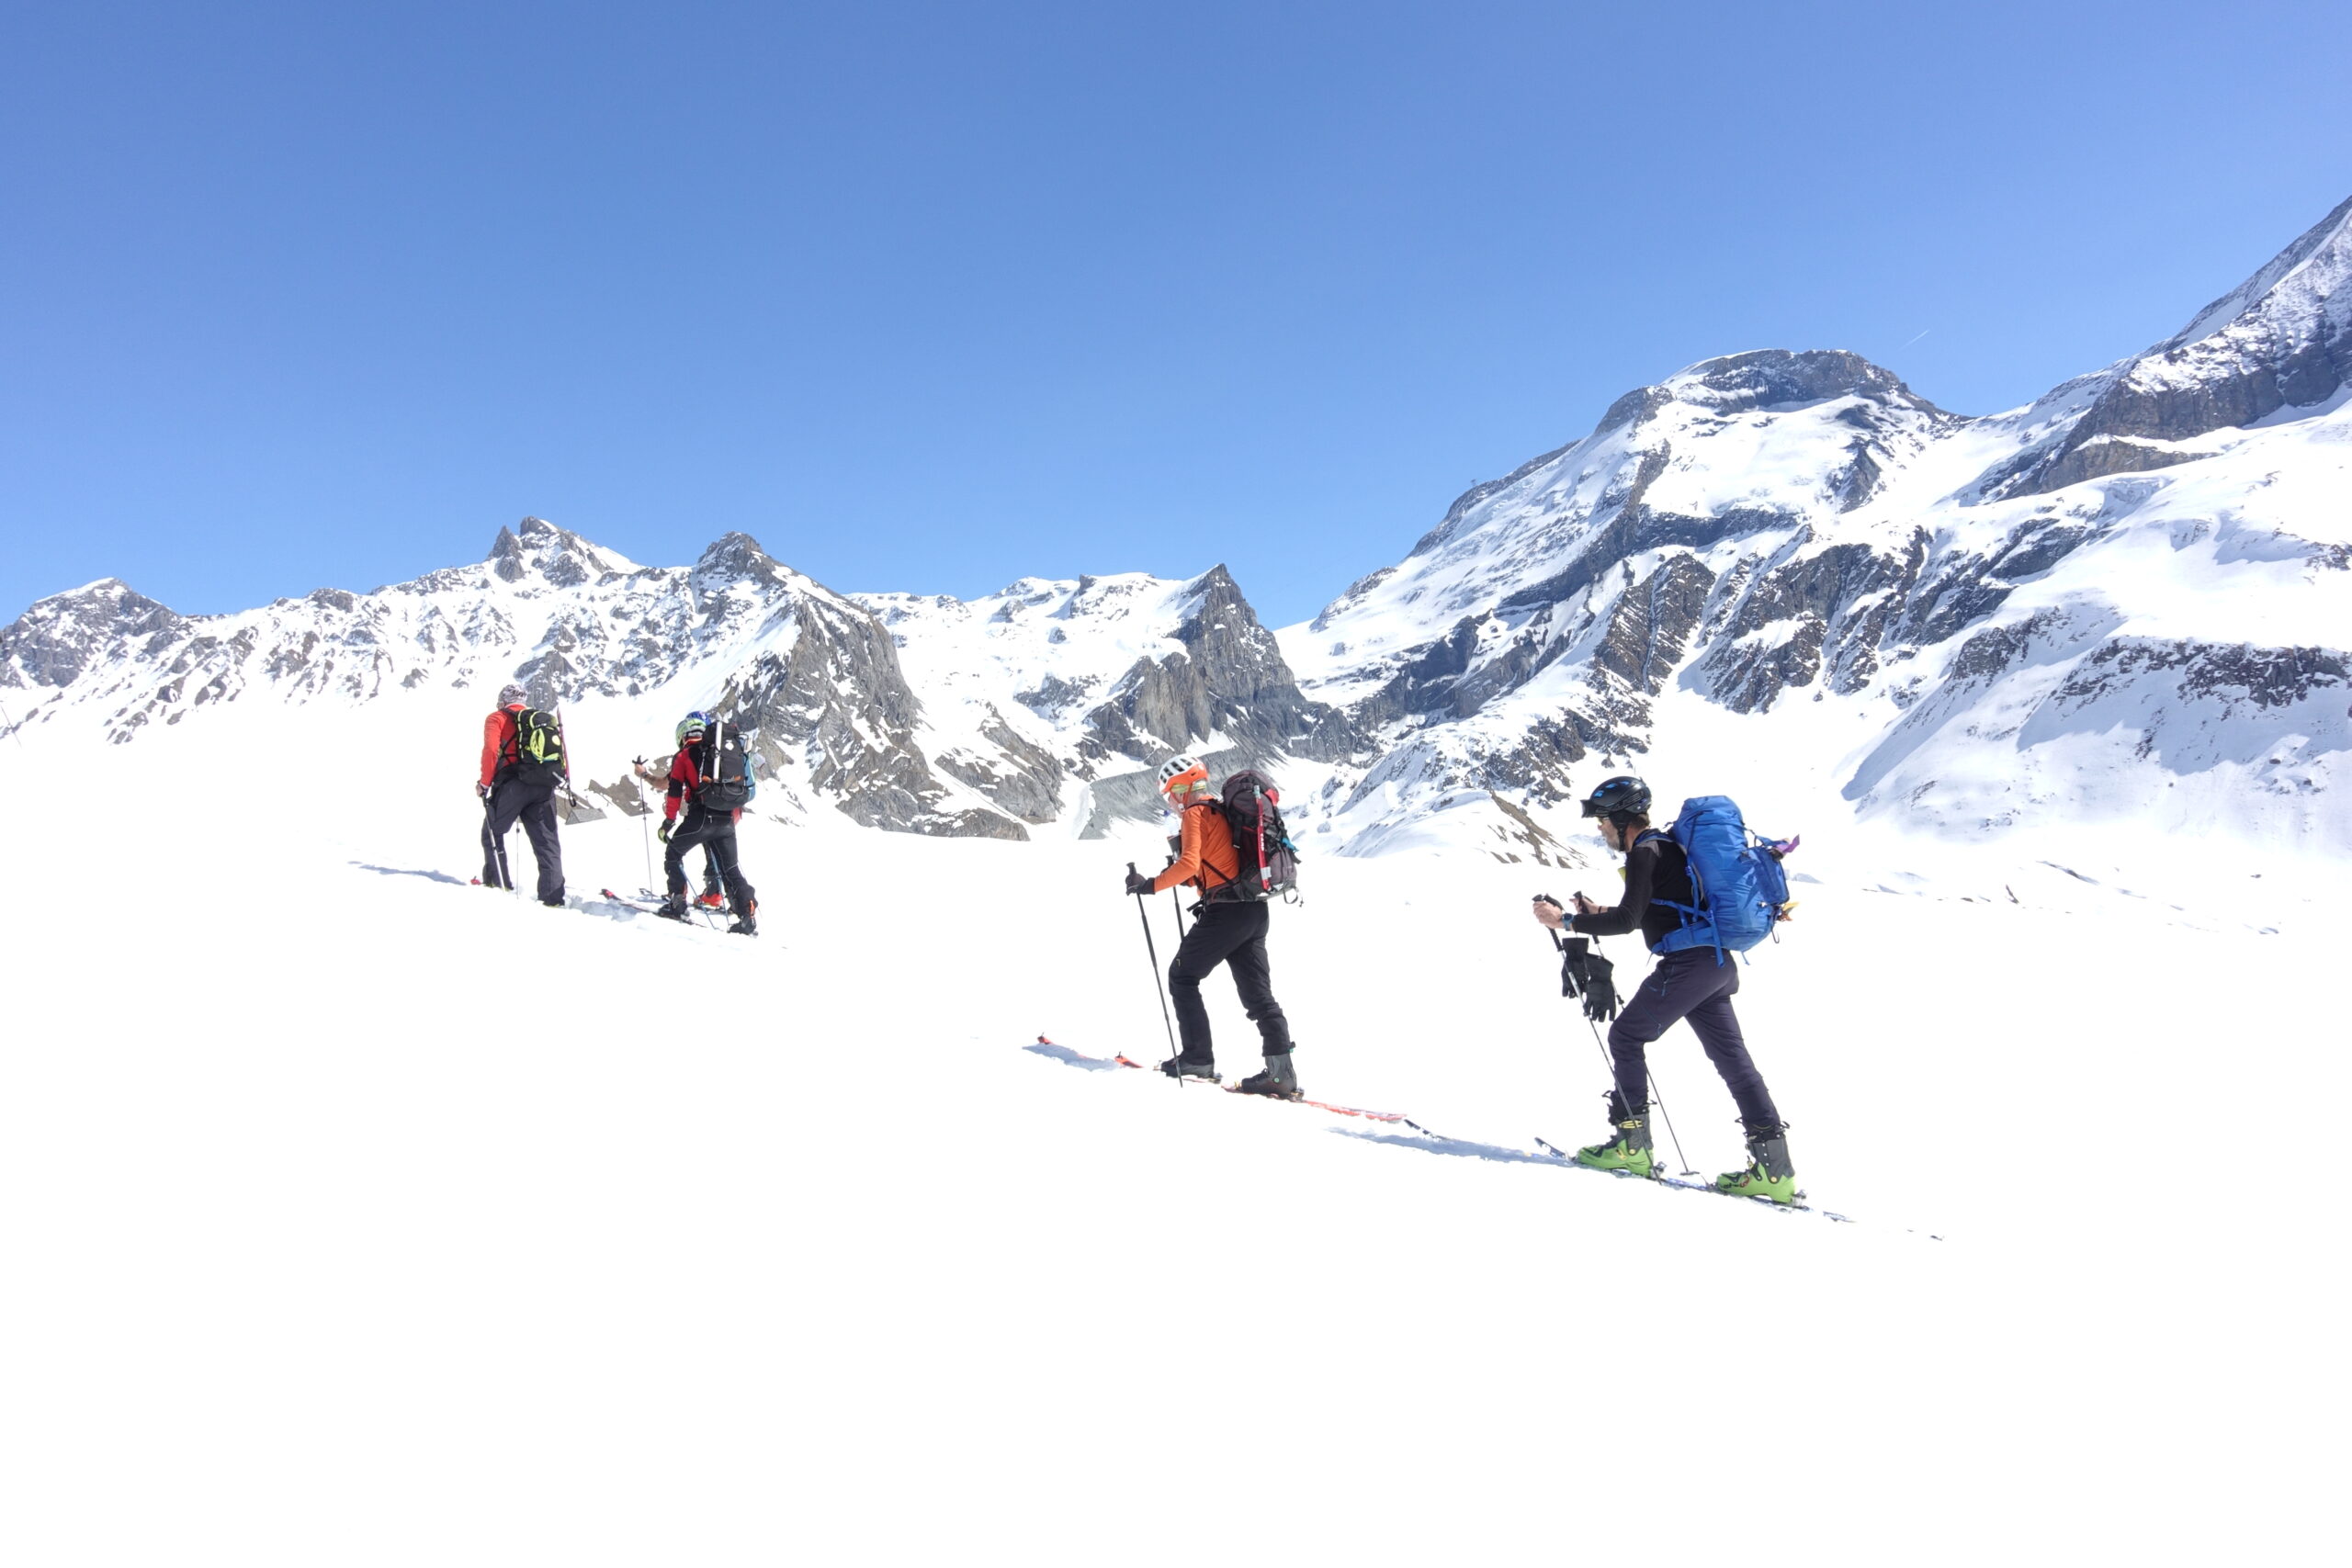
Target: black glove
x: 1575, y: 954
x: 662, y: 832
x: 1138, y: 884
x: 1600, y: 988
x: 483, y: 790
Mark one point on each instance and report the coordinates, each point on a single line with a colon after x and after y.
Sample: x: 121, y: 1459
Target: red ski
x: 1079, y: 1058
x: 1325, y: 1105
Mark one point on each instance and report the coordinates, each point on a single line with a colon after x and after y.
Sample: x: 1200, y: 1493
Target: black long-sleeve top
x: 1656, y: 869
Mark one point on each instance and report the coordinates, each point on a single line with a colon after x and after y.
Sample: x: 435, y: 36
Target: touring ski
x: 1326, y: 1105
x: 1568, y: 1158
x: 1045, y: 1047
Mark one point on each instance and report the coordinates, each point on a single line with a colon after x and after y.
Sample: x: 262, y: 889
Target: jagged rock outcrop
x: 1226, y: 679
x: 1057, y: 697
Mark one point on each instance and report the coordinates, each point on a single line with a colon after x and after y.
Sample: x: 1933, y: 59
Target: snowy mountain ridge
x: 2125, y: 600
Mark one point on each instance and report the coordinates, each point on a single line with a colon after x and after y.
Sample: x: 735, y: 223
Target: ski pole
x: 1560, y: 945
x: 1649, y: 1082
x: 1176, y: 907
x: 645, y: 820
x: 497, y: 842
x: 1151, y: 949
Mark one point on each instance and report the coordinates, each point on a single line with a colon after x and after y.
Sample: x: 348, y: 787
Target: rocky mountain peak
x: 738, y: 557
x: 2280, y: 340
x: 1775, y: 378
x: 536, y: 548
x: 60, y: 636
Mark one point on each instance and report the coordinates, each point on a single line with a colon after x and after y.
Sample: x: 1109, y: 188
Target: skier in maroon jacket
x: 696, y: 781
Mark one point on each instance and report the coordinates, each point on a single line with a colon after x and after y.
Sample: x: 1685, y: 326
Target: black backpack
x: 1262, y: 845
x: 726, y: 770
x: 539, y: 747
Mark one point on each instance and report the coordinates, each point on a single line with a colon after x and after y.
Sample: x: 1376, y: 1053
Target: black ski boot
x: 673, y: 908
x: 1178, y: 1067
x: 1769, y: 1173
x: 748, y: 925
x: 1277, y: 1080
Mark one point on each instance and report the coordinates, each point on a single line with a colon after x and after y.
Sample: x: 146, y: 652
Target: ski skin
x: 1565, y: 1157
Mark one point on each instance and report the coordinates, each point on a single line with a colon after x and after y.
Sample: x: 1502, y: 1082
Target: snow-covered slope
x: 358, y: 1216
x: 2015, y: 618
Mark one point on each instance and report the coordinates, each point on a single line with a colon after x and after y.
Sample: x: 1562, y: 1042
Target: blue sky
x: 929, y: 297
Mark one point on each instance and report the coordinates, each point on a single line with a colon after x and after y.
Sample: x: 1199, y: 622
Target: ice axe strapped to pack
x: 1262, y: 843
x: 726, y: 769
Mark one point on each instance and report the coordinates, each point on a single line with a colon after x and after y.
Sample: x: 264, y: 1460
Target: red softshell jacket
x: 686, y: 783
x: 498, y: 742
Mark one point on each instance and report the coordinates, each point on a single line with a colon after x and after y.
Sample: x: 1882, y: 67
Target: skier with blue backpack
x: 1701, y: 893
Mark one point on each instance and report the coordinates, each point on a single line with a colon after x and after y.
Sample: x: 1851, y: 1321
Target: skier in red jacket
x: 515, y: 786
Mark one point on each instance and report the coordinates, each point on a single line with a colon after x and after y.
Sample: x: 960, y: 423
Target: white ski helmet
x: 1181, y: 773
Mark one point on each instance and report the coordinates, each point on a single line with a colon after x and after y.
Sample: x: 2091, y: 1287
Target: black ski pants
x: 1692, y: 988
x: 1234, y: 935
x: 715, y: 831
x: 532, y: 803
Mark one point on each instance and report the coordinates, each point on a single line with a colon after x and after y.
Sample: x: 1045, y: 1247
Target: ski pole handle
x: 1558, y: 945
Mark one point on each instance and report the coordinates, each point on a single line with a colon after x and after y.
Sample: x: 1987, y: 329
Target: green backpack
x: 539, y: 746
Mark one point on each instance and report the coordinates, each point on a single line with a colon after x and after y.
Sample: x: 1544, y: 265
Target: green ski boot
x: 1769, y: 1173
x: 1628, y: 1151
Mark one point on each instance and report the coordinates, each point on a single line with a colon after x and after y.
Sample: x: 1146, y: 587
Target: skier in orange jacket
x: 1230, y: 928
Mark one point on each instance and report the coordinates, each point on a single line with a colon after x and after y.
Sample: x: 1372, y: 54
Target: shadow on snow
x: 404, y: 871
x: 1432, y: 1143
x: 1070, y: 1058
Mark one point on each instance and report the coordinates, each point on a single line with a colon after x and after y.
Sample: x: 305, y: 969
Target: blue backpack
x: 1735, y: 879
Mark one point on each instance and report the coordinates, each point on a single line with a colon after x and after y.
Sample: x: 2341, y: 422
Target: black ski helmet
x: 1624, y: 796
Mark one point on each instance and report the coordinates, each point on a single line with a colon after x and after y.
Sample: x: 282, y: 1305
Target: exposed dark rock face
x: 2282, y: 339
x: 1521, y: 837
x: 1229, y: 679
x: 1020, y: 776
x: 2233, y: 674
x: 835, y: 700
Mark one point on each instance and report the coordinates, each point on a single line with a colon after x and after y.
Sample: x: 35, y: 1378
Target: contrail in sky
x: 1923, y: 333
